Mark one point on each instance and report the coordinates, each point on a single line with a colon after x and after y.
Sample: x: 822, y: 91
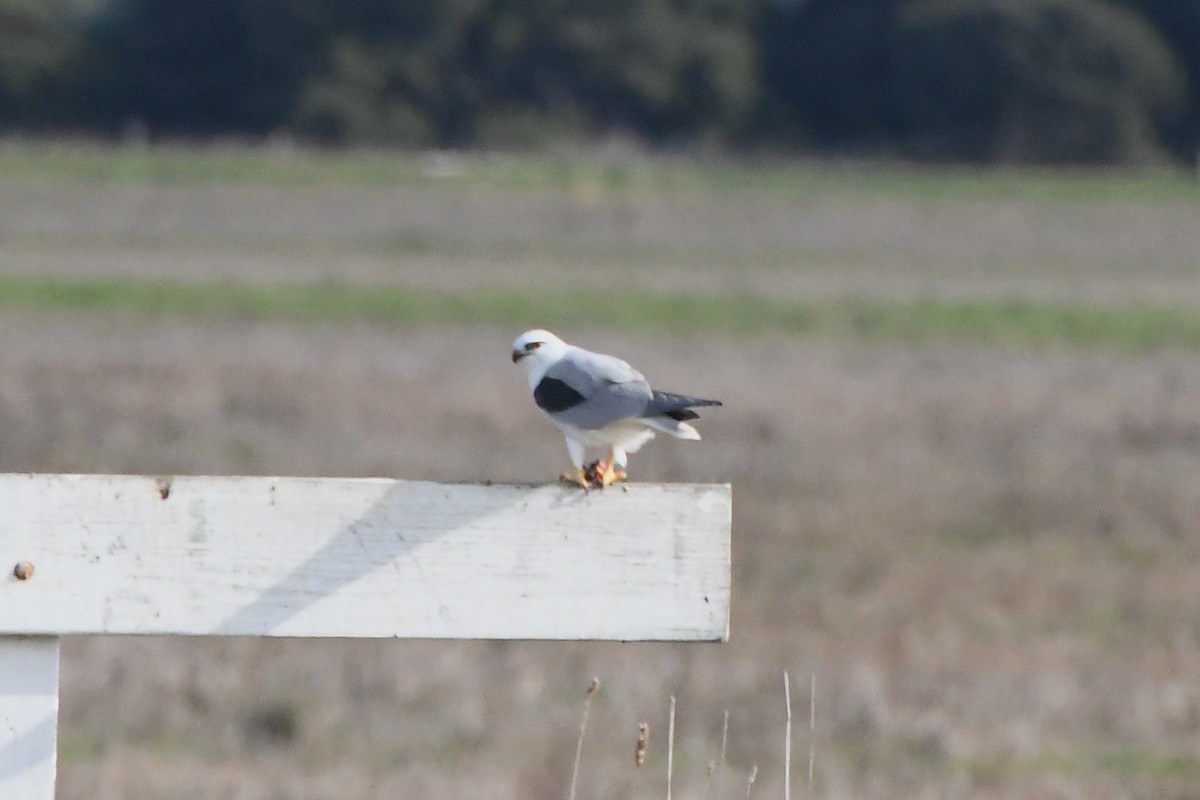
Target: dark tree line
x: 976, y: 80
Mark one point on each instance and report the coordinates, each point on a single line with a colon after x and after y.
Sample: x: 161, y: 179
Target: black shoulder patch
x: 553, y: 395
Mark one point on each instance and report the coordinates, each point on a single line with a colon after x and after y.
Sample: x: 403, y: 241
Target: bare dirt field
x: 985, y: 559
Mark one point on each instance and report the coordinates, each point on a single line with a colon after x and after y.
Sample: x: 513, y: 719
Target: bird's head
x: 537, y: 350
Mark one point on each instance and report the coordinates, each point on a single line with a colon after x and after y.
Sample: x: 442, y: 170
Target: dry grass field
x: 985, y: 554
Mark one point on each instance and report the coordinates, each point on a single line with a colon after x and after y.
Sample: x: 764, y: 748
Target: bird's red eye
x: 533, y: 345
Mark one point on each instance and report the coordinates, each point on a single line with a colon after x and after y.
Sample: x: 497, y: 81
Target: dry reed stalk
x: 812, y: 729
x: 643, y: 741
x: 587, y: 706
x: 671, y: 747
x: 787, y: 738
x: 721, y: 768
x: 750, y: 780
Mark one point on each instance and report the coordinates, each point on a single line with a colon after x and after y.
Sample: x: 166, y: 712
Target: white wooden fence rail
x: 266, y: 556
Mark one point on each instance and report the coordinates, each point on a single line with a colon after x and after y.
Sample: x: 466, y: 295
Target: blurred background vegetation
x: 961, y: 409
x: 986, y: 81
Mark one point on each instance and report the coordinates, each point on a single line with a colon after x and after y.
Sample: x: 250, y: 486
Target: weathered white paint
x: 363, y: 558
x: 28, y: 716
x: 332, y: 557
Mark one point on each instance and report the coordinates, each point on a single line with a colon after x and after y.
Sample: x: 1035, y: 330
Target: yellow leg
x: 576, y: 477
x: 608, y: 474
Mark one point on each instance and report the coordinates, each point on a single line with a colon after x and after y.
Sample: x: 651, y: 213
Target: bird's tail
x: 670, y: 413
x: 676, y: 406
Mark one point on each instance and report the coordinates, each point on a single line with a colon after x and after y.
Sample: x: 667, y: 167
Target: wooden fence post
x: 28, y: 716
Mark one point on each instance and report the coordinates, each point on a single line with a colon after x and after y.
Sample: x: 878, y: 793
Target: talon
x: 607, y: 475
x: 577, y: 477
x: 595, y: 475
x: 613, y: 473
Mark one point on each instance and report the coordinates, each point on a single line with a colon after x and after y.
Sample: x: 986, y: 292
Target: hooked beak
x: 517, y: 355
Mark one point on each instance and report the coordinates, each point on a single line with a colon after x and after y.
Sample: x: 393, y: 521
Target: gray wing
x: 589, y: 390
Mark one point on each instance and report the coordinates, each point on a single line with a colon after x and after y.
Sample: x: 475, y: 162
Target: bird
x: 599, y: 401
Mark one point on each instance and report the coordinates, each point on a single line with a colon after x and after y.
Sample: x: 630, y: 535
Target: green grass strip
x: 198, y: 165
x: 1158, y: 766
x: 1020, y: 324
